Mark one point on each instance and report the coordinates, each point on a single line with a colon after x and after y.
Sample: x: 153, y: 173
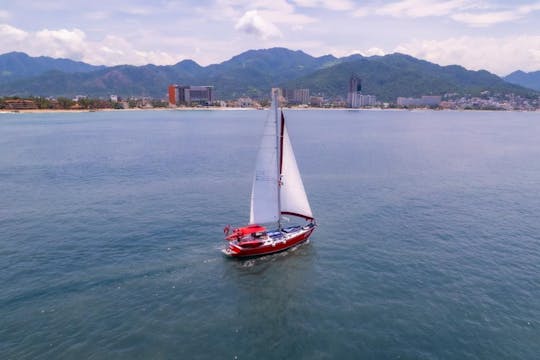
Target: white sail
x: 264, y: 193
x: 293, y: 195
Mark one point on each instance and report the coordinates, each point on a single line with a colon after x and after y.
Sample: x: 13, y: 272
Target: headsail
x: 294, y: 200
x: 264, y: 193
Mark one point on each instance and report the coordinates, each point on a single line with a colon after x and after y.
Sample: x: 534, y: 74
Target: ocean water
x: 428, y: 245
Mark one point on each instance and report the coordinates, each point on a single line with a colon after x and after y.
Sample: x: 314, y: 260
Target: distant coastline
x: 56, y: 111
x: 356, y: 81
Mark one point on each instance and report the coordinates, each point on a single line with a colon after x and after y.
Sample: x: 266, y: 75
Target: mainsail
x: 264, y: 193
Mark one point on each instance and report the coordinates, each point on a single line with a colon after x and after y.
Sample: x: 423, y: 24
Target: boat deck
x: 272, y: 238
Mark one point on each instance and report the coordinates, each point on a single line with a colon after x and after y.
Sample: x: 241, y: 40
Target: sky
x: 498, y: 36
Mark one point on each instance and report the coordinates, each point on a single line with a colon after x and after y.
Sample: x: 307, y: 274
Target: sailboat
x: 277, y: 192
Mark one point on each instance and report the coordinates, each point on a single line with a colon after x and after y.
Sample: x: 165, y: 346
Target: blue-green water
x: 428, y: 245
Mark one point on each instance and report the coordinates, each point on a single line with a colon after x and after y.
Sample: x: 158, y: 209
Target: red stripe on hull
x: 235, y: 251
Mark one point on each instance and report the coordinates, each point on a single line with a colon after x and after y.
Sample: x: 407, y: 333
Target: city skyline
x: 484, y: 34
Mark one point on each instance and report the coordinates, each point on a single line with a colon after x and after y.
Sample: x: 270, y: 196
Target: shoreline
x: 55, y: 111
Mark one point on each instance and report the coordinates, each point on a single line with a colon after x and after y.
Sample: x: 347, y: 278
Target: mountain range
x: 253, y: 73
x: 529, y: 80
x: 18, y: 65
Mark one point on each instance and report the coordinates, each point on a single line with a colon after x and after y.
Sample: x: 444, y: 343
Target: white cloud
x: 418, y: 8
x: 138, y: 10
x: 10, y: 34
x: 483, y: 19
x: 475, y: 13
x: 253, y: 23
x: 276, y: 12
x: 156, y: 57
x: 62, y: 43
x: 74, y: 44
x: 423, y: 8
x: 115, y: 50
x: 62, y: 35
x: 526, y: 9
x: 339, y: 5
x: 373, y: 51
x: 499, y: 55
x: 342, y: 52
x: 362, y: 12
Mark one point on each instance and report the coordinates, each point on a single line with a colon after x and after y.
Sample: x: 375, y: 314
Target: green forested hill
x: 395, y: 75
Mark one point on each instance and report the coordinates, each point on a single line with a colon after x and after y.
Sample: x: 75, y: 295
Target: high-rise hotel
x: 355, y: 90
x: 190, y: 95
x: 355, y: 98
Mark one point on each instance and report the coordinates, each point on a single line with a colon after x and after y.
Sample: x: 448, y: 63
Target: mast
x: 279, y: 143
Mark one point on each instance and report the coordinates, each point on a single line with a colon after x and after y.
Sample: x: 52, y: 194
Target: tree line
x: 83, y: 103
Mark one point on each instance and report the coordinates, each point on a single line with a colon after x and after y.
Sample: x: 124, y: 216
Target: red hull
x: 235, y: 249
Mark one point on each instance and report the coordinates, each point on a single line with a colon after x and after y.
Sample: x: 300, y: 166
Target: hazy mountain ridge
x: 529, y: 80
x: 18, y: 65
x: 251, y: 73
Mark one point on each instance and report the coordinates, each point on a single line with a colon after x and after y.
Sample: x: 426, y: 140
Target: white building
x: 358, y: 100
x: 301, y: 96
x: 426, y: 100
x: 244, y: 102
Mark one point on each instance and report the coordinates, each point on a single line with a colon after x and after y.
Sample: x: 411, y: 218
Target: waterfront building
x: 190, y: 95
x: 295, y: 96
x: 355, y: 90
x: 20, y: 104
x: 244, y: 102
x: 173, y: 95
x: 426, y: 100
x: 288, y: 95
x: 365, y: 100
x: 355, y: 98
x: 316, y: 101
x: 430, y: 100
x: 301, y: 96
